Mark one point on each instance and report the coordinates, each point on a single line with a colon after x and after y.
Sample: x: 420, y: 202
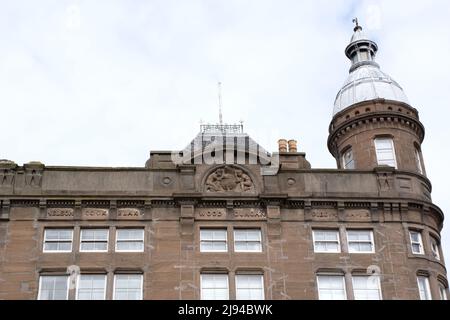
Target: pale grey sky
x: 103, y: 82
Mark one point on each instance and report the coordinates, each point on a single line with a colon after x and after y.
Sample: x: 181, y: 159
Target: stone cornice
x: 379, y: 116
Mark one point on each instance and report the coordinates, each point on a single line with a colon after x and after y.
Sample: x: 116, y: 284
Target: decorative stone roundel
x: 166, y: 180
x: 229, y: 179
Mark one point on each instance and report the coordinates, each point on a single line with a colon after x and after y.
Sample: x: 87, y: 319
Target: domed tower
x: 373, y: 123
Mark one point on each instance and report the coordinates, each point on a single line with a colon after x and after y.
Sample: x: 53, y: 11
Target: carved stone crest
x: 229, y: 179
x: 7, y: 172
x: 33, y: 173
x: 6, y: 177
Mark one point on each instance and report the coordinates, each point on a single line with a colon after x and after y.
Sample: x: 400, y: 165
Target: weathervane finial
x: 357, y: 27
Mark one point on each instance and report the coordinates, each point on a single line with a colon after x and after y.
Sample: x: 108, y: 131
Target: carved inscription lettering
x: 60, y: 212
x: 249, y: 213
x: 129, y: 213
x: 357, y: 215
x: 324, y: 214
x: 212, y: 213
x: 95, y: 213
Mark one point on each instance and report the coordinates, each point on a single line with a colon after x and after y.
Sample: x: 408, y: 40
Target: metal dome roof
x: 366, y: 81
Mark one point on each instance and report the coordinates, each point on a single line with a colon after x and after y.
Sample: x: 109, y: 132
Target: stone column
x: 349, y: 285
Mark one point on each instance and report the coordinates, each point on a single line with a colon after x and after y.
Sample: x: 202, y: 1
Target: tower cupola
x: 373, y: 122
x: 366, y: 81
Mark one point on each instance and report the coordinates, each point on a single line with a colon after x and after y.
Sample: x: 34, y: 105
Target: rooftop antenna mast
x: 219, y: 85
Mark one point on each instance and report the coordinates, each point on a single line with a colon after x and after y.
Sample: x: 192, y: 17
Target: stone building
x: 225, y: 219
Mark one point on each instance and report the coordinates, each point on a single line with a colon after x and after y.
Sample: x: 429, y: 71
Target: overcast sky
x: 101, y: 83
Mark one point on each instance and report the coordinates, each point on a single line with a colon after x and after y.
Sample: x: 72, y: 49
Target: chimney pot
x: 282, y: 145
x: 292, y: 145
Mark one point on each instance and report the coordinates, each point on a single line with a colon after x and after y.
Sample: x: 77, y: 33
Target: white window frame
x: 418, y: 160
x: 442, y: 291
x: 129, y: 274
x: 130, y: 240
x: 420, y: 242
x: 88, y: 274
x: 345, y: 163
x: 427, y: 291
x: 56, y: 251
x: 49, y: 275
x: 215, y: 274
x: 372, y: 241
x: 377, y: 150
x: 331, y: 275
x: 435, y: 248
x: 327, y: 230
x: 90, y: 229
x: 248, y: 241
x: 369, y: 278
x: 212, y: 240
x: 261, y: 277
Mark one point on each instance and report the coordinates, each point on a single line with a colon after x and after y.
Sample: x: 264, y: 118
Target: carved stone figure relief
x: 229, y: 179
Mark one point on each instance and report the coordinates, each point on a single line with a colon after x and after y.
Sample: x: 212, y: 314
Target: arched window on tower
x: 348, y: 162
x: 418, y: 159
x: 385, y: 151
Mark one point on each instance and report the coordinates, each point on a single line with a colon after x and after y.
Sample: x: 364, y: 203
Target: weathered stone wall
x: 173, y: 204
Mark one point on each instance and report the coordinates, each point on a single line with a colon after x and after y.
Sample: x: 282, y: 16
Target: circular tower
x: 373, y: 123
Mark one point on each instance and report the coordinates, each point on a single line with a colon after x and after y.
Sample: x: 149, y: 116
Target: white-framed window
x: 247, y: 240
x: 91, y: 287
x: 213, y: 240
x: 331, y: 287
x: 58, y: 240
x: 424, y: 288
x: 326, y: 241
x: 53, y: 288
x: 128, y: 286
x: 418, y: 161
x: 214, y: 287
x: 435, y: 248
x: 416, y: 242
x: 366, y: 287
x: 385, y: 151
x: 360, y: 241
x: 249, y: 287
x: 94, y: 240
x: 347, y: 159
x: 442, y: 292
x: 130, y: 240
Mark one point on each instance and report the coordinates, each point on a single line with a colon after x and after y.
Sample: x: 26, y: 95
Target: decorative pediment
x: 229, y: 179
